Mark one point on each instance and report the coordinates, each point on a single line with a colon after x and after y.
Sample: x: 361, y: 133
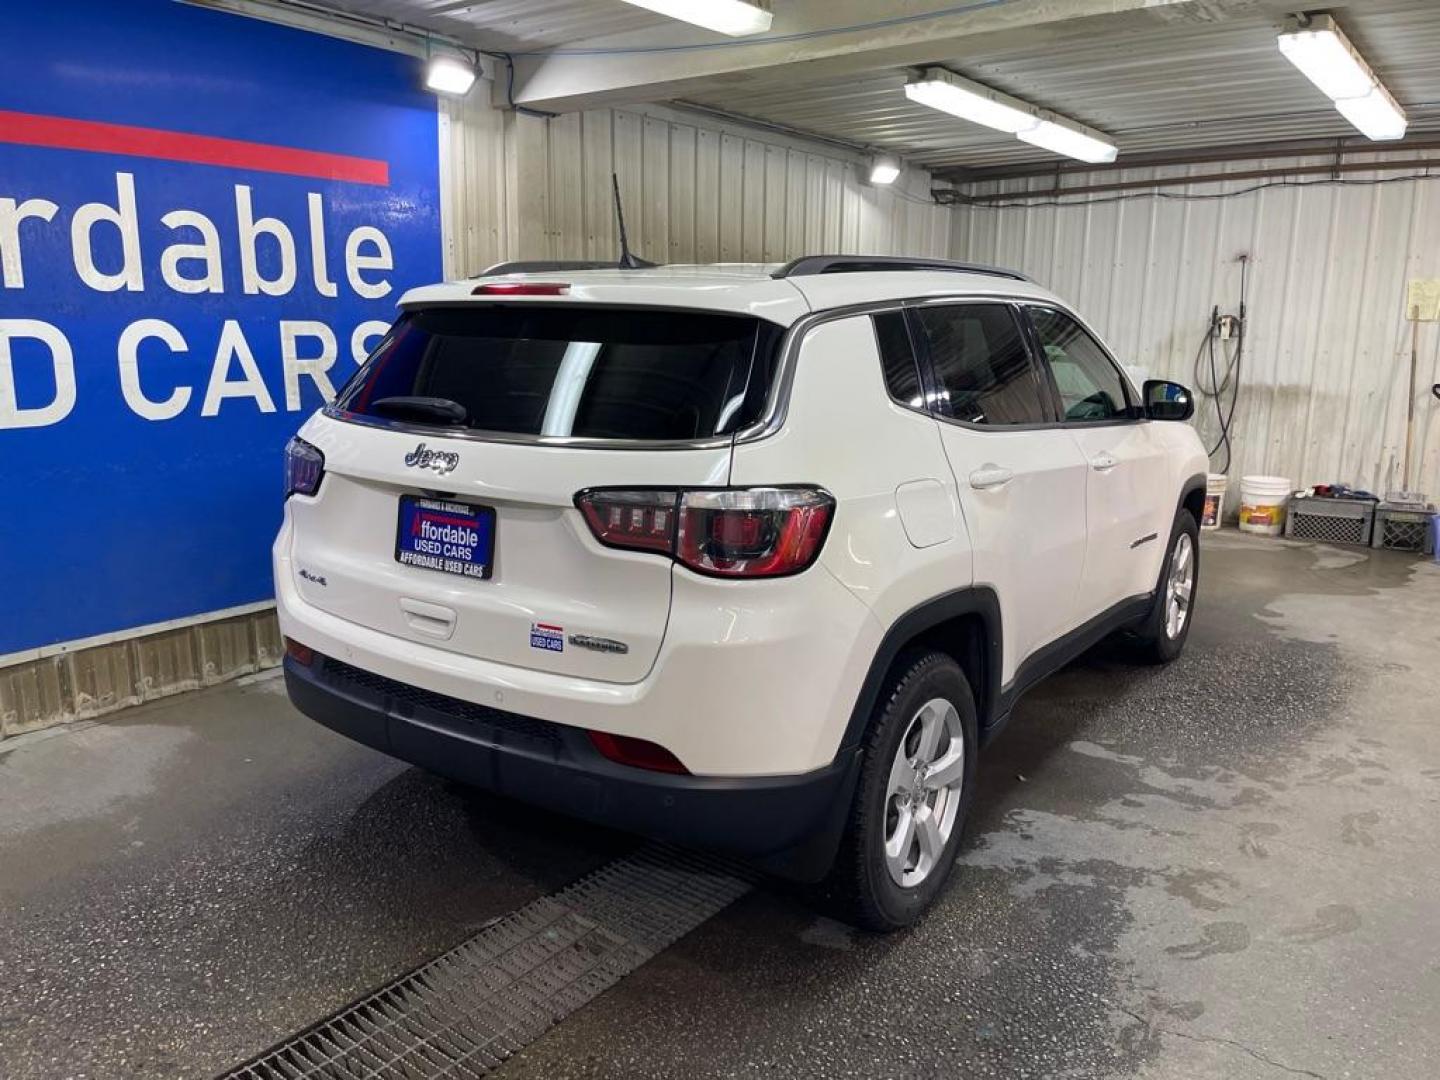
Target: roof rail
x: 808, y: 265
x: 546, y: 266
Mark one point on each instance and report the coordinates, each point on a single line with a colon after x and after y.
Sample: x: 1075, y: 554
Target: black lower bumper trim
x: 789, y: 824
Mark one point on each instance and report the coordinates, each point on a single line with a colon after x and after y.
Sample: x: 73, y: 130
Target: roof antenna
x: 628, y: 259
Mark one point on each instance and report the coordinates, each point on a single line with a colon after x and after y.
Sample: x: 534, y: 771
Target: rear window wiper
x: 421, y: 408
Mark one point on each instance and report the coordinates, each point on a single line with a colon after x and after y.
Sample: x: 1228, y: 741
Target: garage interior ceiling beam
x: 824, y: 41
x: 1337, y: 150
x: 391, y: 34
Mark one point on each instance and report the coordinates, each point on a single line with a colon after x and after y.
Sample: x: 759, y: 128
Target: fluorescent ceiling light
x: 1071, y: 140
x: 1325, y: 56
x: 940, y: 89
x: 1376, y: 114
x: 446, y: 74
x: 884, y: 169
x: 737, y: 18
x: 971, y: 101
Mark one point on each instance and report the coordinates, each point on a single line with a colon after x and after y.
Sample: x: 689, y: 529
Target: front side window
x: 569, y: 371
x: 1090, y: 387
x: 983, y: 373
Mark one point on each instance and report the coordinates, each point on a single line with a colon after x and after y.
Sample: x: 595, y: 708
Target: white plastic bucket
x: 1214, y: 501
x: 1262, y: 503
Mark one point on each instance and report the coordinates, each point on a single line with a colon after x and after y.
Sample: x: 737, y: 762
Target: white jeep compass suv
x: 747, y: 557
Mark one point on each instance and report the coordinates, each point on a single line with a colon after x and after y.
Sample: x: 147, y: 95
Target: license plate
x: 452, y: 537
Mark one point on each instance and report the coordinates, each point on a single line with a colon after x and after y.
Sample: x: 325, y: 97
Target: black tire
x: 1153, y: 641
x: 861, y: 882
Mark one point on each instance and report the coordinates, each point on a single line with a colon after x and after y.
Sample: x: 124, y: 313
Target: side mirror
x: 1167, y: 401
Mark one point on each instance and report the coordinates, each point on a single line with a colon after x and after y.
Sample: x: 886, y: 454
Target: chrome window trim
x: 774, y: 417
x: 778, y: 404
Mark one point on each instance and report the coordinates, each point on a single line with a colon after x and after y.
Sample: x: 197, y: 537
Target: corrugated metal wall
x: 1328, y: 344
x: 695, y: 190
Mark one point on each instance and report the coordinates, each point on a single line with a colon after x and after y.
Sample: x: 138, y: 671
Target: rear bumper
x: 789, y: 824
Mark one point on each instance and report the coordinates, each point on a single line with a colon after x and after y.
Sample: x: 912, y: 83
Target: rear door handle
x: 990, y: 476
x: 1103, y: 463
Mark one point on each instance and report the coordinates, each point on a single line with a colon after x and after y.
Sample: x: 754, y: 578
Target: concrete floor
x: 1229, y: 867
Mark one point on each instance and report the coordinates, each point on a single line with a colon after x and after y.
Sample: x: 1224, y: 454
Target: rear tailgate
x: 550, y: 578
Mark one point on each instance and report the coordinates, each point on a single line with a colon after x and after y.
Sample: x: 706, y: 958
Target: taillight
x: 760, y: 532
x: 740, y: 533
x: 304, y: 467
x: 644, y: 520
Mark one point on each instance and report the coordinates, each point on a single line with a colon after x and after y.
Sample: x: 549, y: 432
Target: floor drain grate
x: 465, y: 1012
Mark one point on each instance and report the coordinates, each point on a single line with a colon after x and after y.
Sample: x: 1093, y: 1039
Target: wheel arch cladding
x: 1192, y: 497
x: 964, y: 624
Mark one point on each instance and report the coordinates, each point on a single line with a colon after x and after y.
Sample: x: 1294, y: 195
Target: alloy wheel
x: 1180, y: 586
x: 922, y: 796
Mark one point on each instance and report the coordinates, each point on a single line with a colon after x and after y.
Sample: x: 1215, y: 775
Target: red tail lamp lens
x: 760, y: 532
x: 642, y: 520
x: 741, y: 533
x: 303, y: 655
x: 520, y: 288
x: 638, y: 753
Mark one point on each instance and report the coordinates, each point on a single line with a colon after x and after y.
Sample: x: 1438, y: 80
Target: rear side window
x: 1087, y: 380
x: 585, y: 372
x: 897, y: 359
x: 983, y: 373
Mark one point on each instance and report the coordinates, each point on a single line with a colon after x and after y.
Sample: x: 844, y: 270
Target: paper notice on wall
x: 1422, y: 300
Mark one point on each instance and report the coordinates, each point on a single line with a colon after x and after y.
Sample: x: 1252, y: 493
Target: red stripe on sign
x: 445, y: 519
x: 31, y: 129
x: 547, y: 626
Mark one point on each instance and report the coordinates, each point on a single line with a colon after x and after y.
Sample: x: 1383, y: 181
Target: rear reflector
x: 638, y: 753
x: 521, y: 288
x: 303, y: 655
x: 739, y: 533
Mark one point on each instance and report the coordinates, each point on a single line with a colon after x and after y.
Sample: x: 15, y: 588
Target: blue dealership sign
x: 205, y: 222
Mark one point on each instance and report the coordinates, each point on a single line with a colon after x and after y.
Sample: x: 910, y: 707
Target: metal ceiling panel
x: 511, y: 25
x: 1190, y: 84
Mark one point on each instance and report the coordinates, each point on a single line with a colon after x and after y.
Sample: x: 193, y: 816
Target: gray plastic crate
x: 1334, y: 521
x: 1402, y: 529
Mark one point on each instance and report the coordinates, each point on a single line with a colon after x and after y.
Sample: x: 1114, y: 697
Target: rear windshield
x: 583, y: 372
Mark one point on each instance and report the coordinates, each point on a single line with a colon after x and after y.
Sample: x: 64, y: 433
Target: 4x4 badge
x: 442, y: 461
